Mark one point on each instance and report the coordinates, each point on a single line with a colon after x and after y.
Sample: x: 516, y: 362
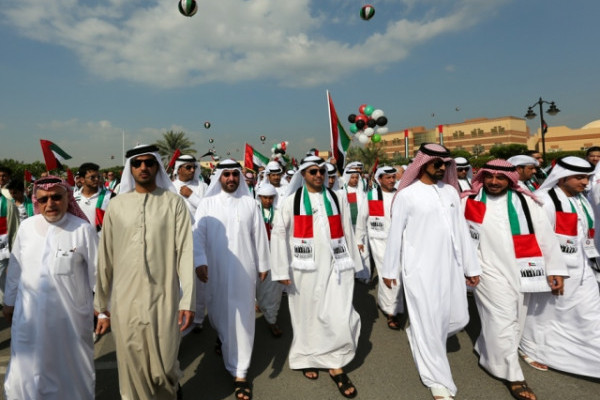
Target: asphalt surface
x: 382, y: 369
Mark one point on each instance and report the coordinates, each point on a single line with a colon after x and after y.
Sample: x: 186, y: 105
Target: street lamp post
x: 553, y: 110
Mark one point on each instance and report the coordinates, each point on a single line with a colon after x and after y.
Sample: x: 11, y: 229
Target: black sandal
x: 308, y: 370
x: 243, y: 388
x: 517, y: 389
x: 393, y: 323
x: 344, y: 383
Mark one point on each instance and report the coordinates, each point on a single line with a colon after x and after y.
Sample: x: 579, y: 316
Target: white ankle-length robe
x: 230, y: 237
x: 563, y: 332
x: 326, y: 326
x: 501, y: 304
x: 429, y: 245
x: 51, y: 276
x: 145, y: 267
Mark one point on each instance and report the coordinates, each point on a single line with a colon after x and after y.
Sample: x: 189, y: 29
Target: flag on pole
x: 28, y: 176
x: 340, y: 141
x: 375, y: 167
x: 70, y: 177
x: 53, y: 155
x: 253, y: 159
x: 176, y: 155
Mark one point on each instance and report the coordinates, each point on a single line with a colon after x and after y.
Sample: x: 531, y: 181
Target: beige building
x: 562, y: 138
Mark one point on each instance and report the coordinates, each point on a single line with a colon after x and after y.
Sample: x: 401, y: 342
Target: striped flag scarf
x: 4, y: 249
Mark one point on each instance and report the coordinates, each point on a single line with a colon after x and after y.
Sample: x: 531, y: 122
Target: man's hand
x: 103, y: 324
x: 202, y: 273
x: 472, y: 281
x: 8, y: 312
x: 361, y: 248
x: 557, y: 284
x: 285, y: 282
x: 262, y: 276
x: 185, y: 319
x: 185, y: 191
x: 390, y: 282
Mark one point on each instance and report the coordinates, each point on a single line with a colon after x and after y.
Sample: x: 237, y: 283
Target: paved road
x: 383, y: 368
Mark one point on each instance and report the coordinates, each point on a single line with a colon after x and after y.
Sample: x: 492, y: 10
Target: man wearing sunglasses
x: 464, y: 172
x: 430, y: 253
x: 145, y: 265
x: 49, y: 299
x: 314, y: 231
x: 231, y: 250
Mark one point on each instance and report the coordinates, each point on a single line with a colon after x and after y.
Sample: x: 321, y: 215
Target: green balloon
x: 369, y: 110
x: 376, y: 138
x: 353, y: 128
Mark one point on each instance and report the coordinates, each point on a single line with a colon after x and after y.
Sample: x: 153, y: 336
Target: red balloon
x: 361, y: 109
x: 283, y: 146
x: 362, y: 117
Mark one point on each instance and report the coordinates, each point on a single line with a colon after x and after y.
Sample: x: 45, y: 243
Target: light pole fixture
x: 553, y: 110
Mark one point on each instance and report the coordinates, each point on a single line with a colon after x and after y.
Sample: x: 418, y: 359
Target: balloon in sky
x: 211, y: 140
x: 188, y: 7
x: 367, y: 12
x: 263, y: 138
x: 207, y: 124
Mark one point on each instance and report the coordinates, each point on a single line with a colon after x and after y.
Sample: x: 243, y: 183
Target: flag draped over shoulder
x: 176, y: 155
x: 253, y: 159
x: 340, y: 141
x: 53, y: 155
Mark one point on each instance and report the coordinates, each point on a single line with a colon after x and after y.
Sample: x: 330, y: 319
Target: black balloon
x: 381, y: 121
x: 207, y: 124
x: 352, y: 118
x: 360, y: 124
x: 371, y: 123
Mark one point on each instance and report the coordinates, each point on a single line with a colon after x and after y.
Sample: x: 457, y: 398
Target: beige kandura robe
x: 145, y: 254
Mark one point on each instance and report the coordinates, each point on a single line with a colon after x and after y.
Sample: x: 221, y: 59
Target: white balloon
x: 362, y: 138
x: 382, y: 130
x: 369, y: 131
x: 376, y: 114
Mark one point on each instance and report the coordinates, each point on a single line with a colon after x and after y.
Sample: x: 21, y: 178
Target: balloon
x: 228, y: 153
x: 207, y: 124
x: 361, y: 109
x: 188, y: 7
x: 367, y: 12
x: 369, y: 110
x: 353, y: 128
x: 382, y: 121
x: 211, y: 140
x: 283, y: 146
x: 369, y: 132
x: 376, y: 138
x: 263, y: 138
x: 382, y: 130
x: 362, y: 138
x: 360, y: 124
x: 352, y: 118
x: 362, y: 118
x: 376, y: 114
x: 371, y: 123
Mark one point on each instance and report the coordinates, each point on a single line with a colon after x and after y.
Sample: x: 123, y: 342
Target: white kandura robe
x: 593, y: 197
x: 51, y: 275
x: 145, y: 267
x: 230, y: 237
x: 364, y: 274
x: 389, y: 300
x: 429, y: 245
x: 464, y: 184
x: 198, y: 188
x: 502, y: 306
x: 268, y: 294
x: 563, y: 332
x: 326, y: 326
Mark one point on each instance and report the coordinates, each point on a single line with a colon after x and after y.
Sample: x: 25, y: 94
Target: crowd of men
x: 149, y: 256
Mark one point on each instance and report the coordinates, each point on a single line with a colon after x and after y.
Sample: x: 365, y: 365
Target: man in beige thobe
x: 145, y: 257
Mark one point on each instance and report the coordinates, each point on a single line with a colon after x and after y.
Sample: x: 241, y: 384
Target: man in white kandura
x: 428, y: 247
x: 464, y: 171
x: 314, y: 253
x: 49, y: 298
x: 519, y: 255
x: 230, y: 250
x: 526, y: 167
x: 562, y: 332
x: 146, y: 276
x: 372, y: 229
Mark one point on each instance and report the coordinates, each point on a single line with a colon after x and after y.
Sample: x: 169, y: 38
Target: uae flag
x: 340, y: 141
x: 53, y: 155
x: 253, y: 159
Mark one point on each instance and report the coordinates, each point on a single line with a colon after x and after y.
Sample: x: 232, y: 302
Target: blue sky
x: 80, y: 73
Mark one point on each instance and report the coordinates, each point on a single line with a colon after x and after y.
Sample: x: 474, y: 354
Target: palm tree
x: 368, y: 155
x: 172, y: 141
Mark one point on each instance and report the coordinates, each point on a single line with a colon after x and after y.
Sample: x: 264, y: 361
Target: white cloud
x: 293, y: 42
x: 450, y: 68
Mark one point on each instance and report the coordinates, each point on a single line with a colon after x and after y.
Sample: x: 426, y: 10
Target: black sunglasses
x: 314, y: 171
x: 189, y: 167
x: 54, y: 197
x: 151, y: 162
x: 227, y: 174
x: 437, y: 164
x: 462, y: 168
